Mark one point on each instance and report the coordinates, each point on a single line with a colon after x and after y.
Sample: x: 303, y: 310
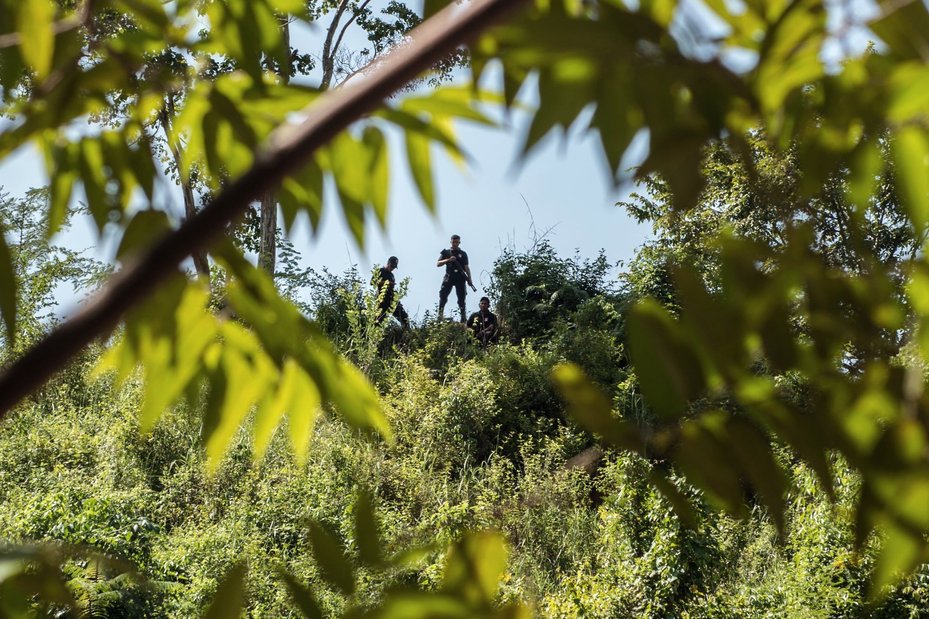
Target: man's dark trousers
x: 460, y: 290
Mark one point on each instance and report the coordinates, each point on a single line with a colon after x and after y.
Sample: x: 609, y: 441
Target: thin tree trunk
x: 201, y: 264
x: 328, y: 51
x: 267, y: 246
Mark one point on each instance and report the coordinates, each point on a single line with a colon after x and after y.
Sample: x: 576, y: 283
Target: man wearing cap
x: 457, y: 274
x: 385, y: 293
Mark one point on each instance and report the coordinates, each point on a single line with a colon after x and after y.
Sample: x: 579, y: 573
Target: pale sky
x: 563, y: 192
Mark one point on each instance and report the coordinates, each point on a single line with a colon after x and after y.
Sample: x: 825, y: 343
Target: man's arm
x: 443, y: 261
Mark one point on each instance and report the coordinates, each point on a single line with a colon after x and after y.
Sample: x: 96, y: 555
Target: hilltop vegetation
x: 481, y: 441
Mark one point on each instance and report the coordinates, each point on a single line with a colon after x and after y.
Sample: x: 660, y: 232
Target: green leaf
x: 8, y: 289
x: 303, y: 407
x: 753, y: 452
x: 592, y: 408
x: 420, y: 160
x: 293, y: 7
x: 148, y: 14
x: 911, y: 160
x: 378, y: 171
x: 35, y: 22
x: 778, y: 339
x: 711, y: 321
x: 91, y: 166
x: 701, y: 452
x: 303, y: 193
x: 11, y: 67
x: 790, y: 55
x: 301, y: 595
x: 169, y: 335
x: 229, y: 600
x: 662, y: 11
x: 899, y: 554
x: 617, y: 116
x: 564, y: 90
x: 678, y: 158
x: 285, y: 332
x: 333, y: 564
x: 144, y: 229
x: 421, y: 605
x: 669, y: 372
x: 412, y: 557
x: 679, y: 503
x: 474, y: 567
x: 62, y: 166
x: 366, y: 532
x: 905, y: 30
x: 451, y: 102
x: 246, y: 375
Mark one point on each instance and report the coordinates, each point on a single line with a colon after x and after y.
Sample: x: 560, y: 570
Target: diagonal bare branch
x: 288, y: 149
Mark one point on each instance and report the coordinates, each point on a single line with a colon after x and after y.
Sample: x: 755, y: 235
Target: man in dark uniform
x: 385, y: 293
x: 457, y: 274
x: 484, y: 323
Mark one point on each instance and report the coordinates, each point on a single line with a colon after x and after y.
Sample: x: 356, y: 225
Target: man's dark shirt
x: 385, y: 285
x: 484, y: 325
x: 455, y: 270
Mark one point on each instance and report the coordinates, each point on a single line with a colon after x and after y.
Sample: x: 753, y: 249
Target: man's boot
x: 461, y: 309
x: 441, y: 312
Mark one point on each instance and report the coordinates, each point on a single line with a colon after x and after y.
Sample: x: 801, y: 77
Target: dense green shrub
x: 481, y: 441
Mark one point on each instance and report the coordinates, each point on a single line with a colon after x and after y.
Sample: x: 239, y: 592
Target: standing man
x: 484, y: 323
x: 385, y: 293
x: 457, y: 274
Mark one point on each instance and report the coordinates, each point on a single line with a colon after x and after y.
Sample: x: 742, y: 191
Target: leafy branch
x: 288, y: 148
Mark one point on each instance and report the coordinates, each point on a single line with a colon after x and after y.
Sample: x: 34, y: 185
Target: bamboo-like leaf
x: 378, y: 172
x: 617, y: 116
x: 899, y: 553
x: 679, y: 503
x: 911, y: 158
x: 670, y: 373
x: 143, y: 229
x: 248, y: 373
x: 418, y: 152
x: 903, y: 29
x: 452, y: 102
x: 753, y: 452
x: 474, y: 567
x: 421, y: 605
x: 334, y: 566
x: 61, y: 163
x: 273, y: 407
x: 303, y: 408
x: 229, y: 599
x: 149, y: 14
x: 35, y: 21
x: 592, y: 408
x: 92, y: 168
x: 366, y: 532
x: 702, y: 454
x: 301, y: 595
x: 303, y: 193
x: 284, y: 332
x: 292, y: 7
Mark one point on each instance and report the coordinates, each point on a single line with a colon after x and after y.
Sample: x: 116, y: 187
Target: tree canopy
x: 845, y: 275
